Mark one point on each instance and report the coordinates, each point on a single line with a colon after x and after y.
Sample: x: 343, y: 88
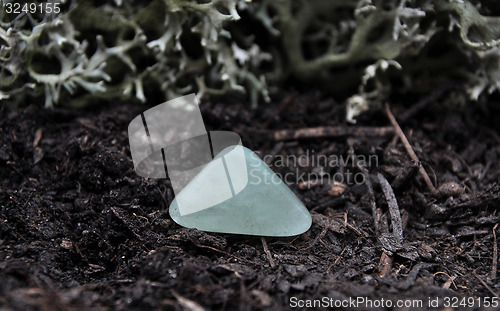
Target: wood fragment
x: 493, y: 274
x: 451, y: 280
x: 486, y: 170
x: 38, y: 137
x: 337, y: 259
x: 468, y: 233
x: 484, y: 198
x: 451, y: 189
x: 330, y: 131
x: 385, y: 265
x: 317, y: 238
x: 409, y: 149
x: 397, y: 223
x: 376, y: 212
x: 412, y: 276
x: 120, y: 214
x: 268, y: 253
x: 187, y: 304
x: 359, y: 231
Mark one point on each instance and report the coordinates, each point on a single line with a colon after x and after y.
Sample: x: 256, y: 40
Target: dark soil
x: 80, y: 230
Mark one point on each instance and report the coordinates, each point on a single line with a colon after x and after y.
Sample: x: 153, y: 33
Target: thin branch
x: 376, y: 212
x: 223, y: 252
x: 409, y: 149
x: 330, y: 131
x: 385, y: 264
x: 485, y: 285
x: 397, y: 223
x: 494, y: 265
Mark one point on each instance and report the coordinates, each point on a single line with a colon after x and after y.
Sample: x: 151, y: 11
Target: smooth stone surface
x: 259, y: 202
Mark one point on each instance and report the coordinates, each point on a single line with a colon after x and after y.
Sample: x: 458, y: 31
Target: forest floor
x: 80, y: 230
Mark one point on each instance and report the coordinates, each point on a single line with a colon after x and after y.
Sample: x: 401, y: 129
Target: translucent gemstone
x: 238, y: 193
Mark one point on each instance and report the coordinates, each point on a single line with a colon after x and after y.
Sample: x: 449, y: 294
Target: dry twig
x: 409, y: 149
x: 385, y: 265
x: 318, y: 237
x: 451, y: 280
x: 330, y: 131
x: 268, y: 253
x: 376, y: 212
x: 494, y: 265
x: 187, y: 304
x: 397, y: 223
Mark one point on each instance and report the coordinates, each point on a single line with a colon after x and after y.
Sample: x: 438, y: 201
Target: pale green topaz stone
x: 238, y: 193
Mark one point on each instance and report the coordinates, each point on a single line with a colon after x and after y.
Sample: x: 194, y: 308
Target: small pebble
x: 451, y: 189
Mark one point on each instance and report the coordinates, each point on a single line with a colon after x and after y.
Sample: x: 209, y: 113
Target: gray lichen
x: 112, y: 50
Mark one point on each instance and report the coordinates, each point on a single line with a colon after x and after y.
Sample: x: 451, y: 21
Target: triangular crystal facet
x: 238, y: 193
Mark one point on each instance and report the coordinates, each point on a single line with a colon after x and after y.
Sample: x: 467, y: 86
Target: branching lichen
x: 101, y: 51
x: 155, y: 50
x: 482, y: 35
